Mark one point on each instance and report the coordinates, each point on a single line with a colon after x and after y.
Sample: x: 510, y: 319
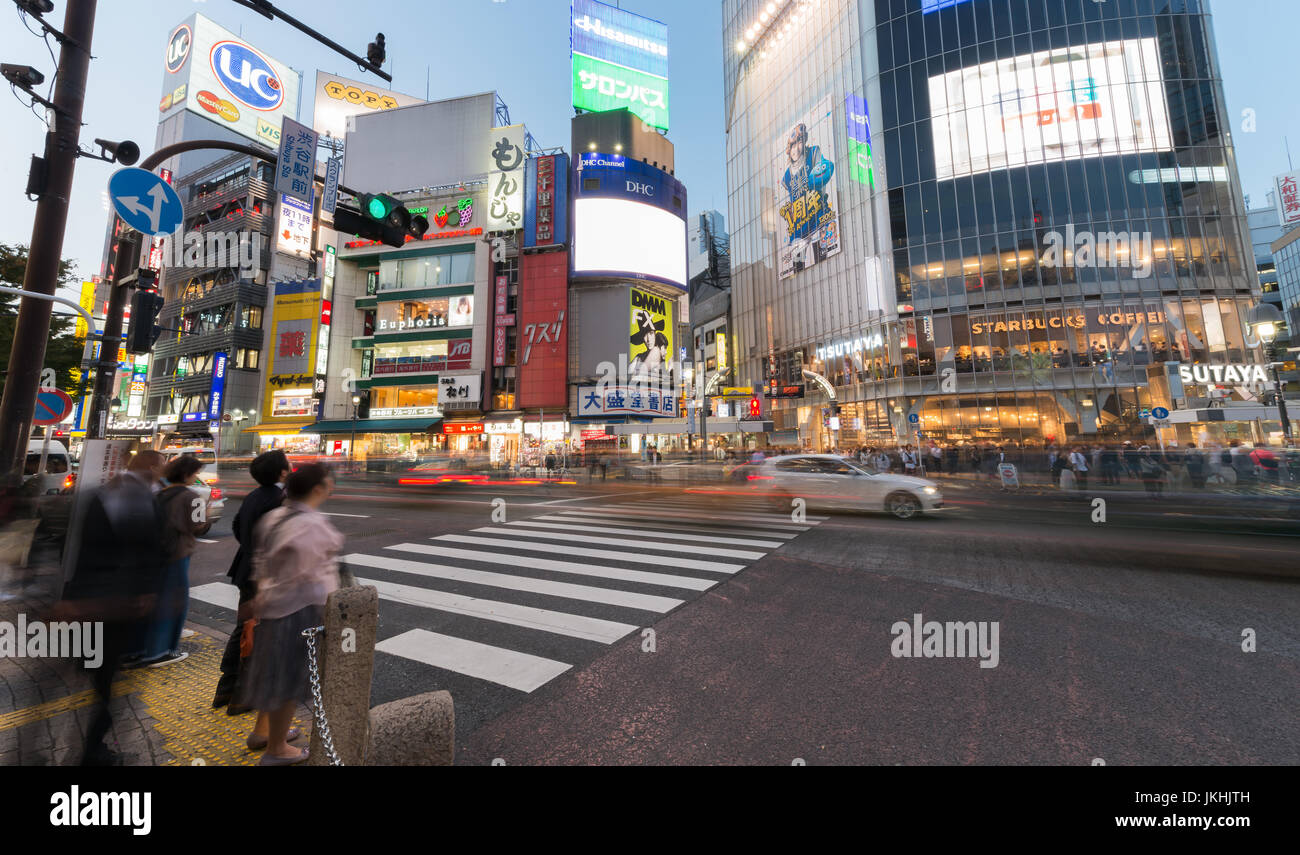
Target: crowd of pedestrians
x: 132, y: 574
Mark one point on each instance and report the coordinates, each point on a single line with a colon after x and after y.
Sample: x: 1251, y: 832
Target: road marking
x: 355, y: 516
x: 521, y: 671
x: 622, y: 541
x: 218, y: 594
x: 631, y: 526
x: 593, y: 498
x: 204, y: 540
x: 567, y: 590
x: 676, y: 518
x: 561, y: 623
x: 714, y: 513
x: 667, y: 580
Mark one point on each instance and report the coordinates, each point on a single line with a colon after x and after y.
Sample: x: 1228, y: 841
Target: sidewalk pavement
x: 161, y: 716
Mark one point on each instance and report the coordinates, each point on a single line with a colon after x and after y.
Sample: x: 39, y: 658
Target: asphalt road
x: 771, y: 641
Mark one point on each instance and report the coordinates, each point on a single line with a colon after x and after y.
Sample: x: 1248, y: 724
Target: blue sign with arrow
x: 145, y: 202
x: 1159, y: 413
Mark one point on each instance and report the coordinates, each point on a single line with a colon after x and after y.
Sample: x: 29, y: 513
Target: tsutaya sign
x: 844, y: 348
x: 1222, y: 374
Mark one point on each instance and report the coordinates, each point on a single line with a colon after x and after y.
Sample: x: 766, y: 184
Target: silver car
x: 831, y: 482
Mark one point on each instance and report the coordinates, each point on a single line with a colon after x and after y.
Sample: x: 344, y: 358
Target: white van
x: 58, y: 466
x: 206, y: 456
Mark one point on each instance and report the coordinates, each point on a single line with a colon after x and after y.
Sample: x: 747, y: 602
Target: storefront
x: 408, y: 437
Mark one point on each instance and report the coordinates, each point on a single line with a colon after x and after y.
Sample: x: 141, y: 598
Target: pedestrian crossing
x: 516, y: 604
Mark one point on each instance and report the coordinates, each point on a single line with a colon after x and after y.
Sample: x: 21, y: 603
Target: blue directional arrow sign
x: 145, y: 202
x: 1159, y: 413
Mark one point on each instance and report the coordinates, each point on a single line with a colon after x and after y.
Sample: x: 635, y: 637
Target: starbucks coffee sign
x: 1238, y: 374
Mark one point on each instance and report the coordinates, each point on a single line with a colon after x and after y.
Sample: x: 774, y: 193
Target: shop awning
x: 421, y: 425
x: 282, y: 427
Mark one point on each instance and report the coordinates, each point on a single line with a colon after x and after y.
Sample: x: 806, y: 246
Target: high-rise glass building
x: 981, y: 221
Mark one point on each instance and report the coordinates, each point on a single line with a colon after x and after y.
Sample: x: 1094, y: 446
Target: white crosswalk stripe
x: 493, y: 606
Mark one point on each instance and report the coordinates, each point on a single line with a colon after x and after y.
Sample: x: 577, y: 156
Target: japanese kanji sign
x: 646, y: 400
x: 295, y: 170
x: 505, y: 169
x: 1288, y: 198
x: 460, y: 391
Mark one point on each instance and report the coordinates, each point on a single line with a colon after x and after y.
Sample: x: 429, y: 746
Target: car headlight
x: 930, y: 491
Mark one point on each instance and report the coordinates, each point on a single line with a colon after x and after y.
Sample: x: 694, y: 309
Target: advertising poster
x: 620, y: 59
x: 806, y: 194
x: 296, y: 322
x: 652, y: 332
x: 1088, y: 101
x: 213, y: 73
x: 338, y: 99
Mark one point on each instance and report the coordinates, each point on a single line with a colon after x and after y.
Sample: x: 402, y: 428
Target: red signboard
x: 499, y: 346
x: 594, y: 434
x: 326, y: 312
x: 501, y: 320
x: 460, y: 429
x: 543, y: 330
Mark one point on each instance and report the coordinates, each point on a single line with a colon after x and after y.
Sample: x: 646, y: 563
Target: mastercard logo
x: 218, y: 106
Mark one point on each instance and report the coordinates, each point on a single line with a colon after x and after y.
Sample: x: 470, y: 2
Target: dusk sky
x: 520, y: 48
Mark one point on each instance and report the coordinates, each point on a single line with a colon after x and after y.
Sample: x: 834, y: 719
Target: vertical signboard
x: 546, y: 214
x: 652, y: 329
x: 293, y: 229
x: 288, y: 396
x: 543, y: 330
x: 501, y: 321
x: 505, y: 169
x: 1288, y: 198
x: 217, y: 394
x: 620, y: 60
x: 295, y: 171
x: 858, y: 121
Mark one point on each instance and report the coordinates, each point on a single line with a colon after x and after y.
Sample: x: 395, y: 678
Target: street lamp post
x: 1264, y: 320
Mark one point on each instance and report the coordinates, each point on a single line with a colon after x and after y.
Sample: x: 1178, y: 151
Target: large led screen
x: 620, y: 237
x: 1099, y: 99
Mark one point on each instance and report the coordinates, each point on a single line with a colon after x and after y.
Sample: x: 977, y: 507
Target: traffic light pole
x: 32, y: 329
x: 128, y: 257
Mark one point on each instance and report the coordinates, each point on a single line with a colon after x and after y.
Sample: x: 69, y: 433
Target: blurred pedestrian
x: 1152, y: 471
x: 1194, y: 463
x: 1079, y: 462
x: 295, y: 568
x: 880, y: 460
x: 910, y: 460
x: 117, y: 578
x: 936, y: 457
x: 185, y: 518
x: 269, y: 470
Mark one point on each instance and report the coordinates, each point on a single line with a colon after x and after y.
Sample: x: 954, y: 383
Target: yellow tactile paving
x: 179, y: 698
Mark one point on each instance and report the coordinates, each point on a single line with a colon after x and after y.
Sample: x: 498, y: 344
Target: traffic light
x: 381, y: 218
x: 145, y: 306
x: 755, y: 408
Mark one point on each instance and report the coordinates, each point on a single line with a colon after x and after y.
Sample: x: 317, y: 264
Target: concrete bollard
x: 346, y: 658
x: 415, y: 731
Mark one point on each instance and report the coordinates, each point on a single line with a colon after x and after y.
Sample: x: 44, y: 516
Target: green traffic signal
x: 377, y: 207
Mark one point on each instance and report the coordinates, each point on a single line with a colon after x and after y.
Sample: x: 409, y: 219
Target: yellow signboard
x: 722, y: 350
x: 652, y: 329
x: 288, y: 395
x: 732, y: 393
x: 87, y: 302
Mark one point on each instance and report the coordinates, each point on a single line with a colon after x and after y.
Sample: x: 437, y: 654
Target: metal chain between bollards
x: 318, y: 705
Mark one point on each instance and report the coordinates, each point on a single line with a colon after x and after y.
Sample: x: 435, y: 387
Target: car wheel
x: 904, y: 506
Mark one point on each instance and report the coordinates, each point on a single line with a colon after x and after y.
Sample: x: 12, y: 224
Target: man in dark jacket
x: 117, y: 578
x: 269, y: 470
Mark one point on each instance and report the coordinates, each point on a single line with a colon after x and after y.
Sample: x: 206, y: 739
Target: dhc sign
x: 1222, y: 374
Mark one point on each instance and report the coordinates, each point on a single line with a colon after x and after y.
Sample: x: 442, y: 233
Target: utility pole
x: 32, y: 329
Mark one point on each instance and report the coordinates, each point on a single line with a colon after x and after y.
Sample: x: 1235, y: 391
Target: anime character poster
x: 806, y: 193
x: 652, y: 328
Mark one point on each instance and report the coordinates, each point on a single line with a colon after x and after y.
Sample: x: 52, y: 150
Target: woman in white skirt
x: 295, y: 567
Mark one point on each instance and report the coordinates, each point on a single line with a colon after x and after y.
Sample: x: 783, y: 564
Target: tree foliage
x: 63, y: 350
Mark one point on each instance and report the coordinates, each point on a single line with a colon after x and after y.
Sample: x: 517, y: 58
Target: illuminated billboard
x: 806, y: 191
x: 1094, y: 100
x: 629, y: 221
x: 620, y: 60
x: 338, y: 99
x: 296, y: 316
x: 210, y: 71
x: 652, y: 332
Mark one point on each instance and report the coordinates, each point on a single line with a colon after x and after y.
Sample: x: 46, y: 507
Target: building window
x: 251, y: 318
x: 247, y: 357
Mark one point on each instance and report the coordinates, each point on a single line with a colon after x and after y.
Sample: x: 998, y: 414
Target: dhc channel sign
x: 247, y: 75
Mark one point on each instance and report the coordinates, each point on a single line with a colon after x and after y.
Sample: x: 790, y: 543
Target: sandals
x: 271, y: 760
x: 258, y: 743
